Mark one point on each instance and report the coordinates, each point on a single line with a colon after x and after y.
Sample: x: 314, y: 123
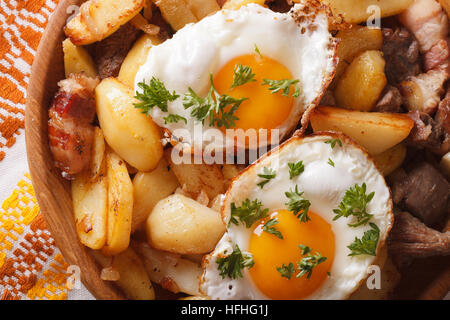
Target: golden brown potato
x: 136, y: 58
x: 120, y: 205
x: 360, y: 86
x: 353, y: 42
x: 445, y: 164
x: 97, y: 20
x: 77, y: 60
x: 198, y: 177
x: 236, y: 4
x: 149, y: 188
x: 446, y: 5
x: 202, y: 8
x: 375, y: 131
x: 98, y: 155
x: 129, y: 132
x: 134, y: 280
x: 181, y: 225
x: 391, y: 159
x: 356, y: 11
x: 176, y: 12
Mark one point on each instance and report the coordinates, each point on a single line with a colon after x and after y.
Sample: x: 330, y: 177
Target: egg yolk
x: 270, y: 252
x: 262, y: 109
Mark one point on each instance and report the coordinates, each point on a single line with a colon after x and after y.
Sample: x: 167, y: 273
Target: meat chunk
x: 410, y: 239
x: 391, y: 101
x: 109, y: 53
x: 69, y: 127
x: 442, y: 119
x: 438, y: 57
x: 401, y: 52
x: 423, y: 191
x: 426, y: 133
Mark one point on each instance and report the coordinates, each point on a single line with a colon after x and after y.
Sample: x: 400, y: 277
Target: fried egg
x: 329, y: 171
x: 295, y: 45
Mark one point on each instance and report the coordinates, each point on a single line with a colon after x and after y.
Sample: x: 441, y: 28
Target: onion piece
x: 109, y: 274
x: 141, y: 23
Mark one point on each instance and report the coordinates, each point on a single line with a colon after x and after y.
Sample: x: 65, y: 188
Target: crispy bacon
x: 69, y: 127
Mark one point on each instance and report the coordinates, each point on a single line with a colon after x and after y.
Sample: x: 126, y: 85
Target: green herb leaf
x: 248, y: 213
x: 308, y: 263
x: 330, y: 162
x: 295, y: 169
x: 232, y: 265
x: 257, y: 50
x: 267, y: 175
x: 367, y: 244
x: 153, y: 95
x: 284, y: 85
x: 269, y: 227
x: 174, y: 118
x: 286, y: 271
x: 333, y: 142
x: 354, y: 204
x: 242, y: 75
x: 298, y: 205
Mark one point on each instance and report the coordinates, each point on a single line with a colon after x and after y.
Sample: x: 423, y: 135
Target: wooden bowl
x: 53, y: 192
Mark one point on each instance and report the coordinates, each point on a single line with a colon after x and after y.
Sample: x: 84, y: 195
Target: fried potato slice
x: 236, y: 4
x: 120, y: 205
x: 202, y: 8
x: 176, y: 12
x: 77, y: 60
x: 375, y: 131
x: 97, y: 164
x: 391, y: 159
x: 100, y: 18
x: 134, y: 280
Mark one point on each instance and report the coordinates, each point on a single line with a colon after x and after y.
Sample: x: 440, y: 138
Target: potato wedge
x: 236, y: 4
x: 97, y: 20
x: 360, y: 86
x: 445, y: 164
x: 149, y: 188
x: 356, y: 11
x: 98, y: 155
x: 181, y: 225
x: 446, y: 5
x: 202, y: 8
x: 77, y: 60
x: 353, y: 42
x: 136, y: 58
x: 176, y: 12
x: 391, y: 159
x: 169, y: 270
x: 90, y: 207
x: 130, y: 133
x: 134, y: 280
x: 120, y: 205
x: 375, y: 131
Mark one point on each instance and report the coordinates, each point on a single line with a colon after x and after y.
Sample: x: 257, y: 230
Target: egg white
x: 324, y: 186
x: 199, y: 49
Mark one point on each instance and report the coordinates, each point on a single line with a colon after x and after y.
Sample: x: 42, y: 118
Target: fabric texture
x: 31, y: 266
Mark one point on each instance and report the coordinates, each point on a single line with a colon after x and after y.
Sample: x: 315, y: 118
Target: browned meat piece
x: 109, y: 53
x: 165, y: 30
x: 438, y: 56
x: 390, y: 101
x: 401, y: 52
x: 69, y: 127
x: 426, y: 132
x: 442, y: 119
x: 422, y: 190
x: 280, y: 5
x: 410, y: 239
x: 328, y: 99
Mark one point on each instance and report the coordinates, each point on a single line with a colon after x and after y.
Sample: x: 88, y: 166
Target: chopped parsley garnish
x: 307, y: 264
x: 174, y: 118
x: 269, y: 227
x: 367, y: 244
x: 213, y: 107
x: 330, y: 162
x: 248, y: 213
x: 267, y: 175
x: 295, y: 169
x: 354, y: 204
x: 298, y: 205
x: 232, y: 265
x: 257, y: 50
x: 153, y: 95
x: 333, y: 142
x: 242, y: 75
x: 284, y: 85
x: 287, y: 271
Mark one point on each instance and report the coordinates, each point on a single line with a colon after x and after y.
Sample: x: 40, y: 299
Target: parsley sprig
x: 354, y: 204
x: 269, y: 228
x: 213, y: 107
x: 287, y: 270
x: 333, y: 143
x: 231, y: 266
x: 242, y: 75
x: 330, y: 162
x: 248, y: 213
x: 295, y: 169
x: 153, y: 95
x: 367, y: 244
x: 298, y: 205
x: 308, y: 263
x: 283, y: 85
x: 268, y: 174
x: 174, y: 118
